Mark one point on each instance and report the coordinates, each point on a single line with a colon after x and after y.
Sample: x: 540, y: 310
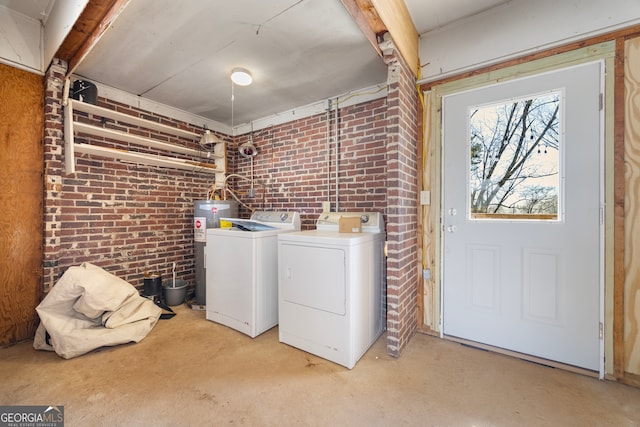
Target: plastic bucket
x: 175, y: 295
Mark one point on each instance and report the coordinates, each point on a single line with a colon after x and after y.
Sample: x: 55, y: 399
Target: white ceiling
x: 35, y: 9
x: 181, y: 53
x: 429, y: 15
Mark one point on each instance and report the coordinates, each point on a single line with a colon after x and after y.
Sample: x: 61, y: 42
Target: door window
x: 514, y: 158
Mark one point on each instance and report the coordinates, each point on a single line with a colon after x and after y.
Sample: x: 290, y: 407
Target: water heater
x: 207, y: 214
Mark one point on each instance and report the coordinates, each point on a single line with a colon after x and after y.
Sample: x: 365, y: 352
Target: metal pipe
x: 251, y: 190
x: 337, y: 141
x: 233, y: 194
x: 328, y: 145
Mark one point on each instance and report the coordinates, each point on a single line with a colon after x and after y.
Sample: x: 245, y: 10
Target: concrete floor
x: 192, y: 372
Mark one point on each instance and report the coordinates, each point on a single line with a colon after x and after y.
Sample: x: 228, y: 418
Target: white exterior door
x: 523, y: 271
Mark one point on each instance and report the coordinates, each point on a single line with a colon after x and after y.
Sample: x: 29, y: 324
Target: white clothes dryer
x: 330, y: 288
x: 242, y: 271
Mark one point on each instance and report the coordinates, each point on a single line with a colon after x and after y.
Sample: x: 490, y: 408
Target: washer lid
x: 248, y: 225
x: 263, y: 221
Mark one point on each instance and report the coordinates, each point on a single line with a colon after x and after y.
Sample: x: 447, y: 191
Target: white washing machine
x: 330, y: 288
x: 242, y: 271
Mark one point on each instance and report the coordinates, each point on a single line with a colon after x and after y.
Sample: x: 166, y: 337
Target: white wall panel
x: 20, y: 40
x: 517, y: 28
x: 25, y: 44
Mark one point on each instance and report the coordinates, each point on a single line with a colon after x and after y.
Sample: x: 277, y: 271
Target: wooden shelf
x: 126, y: 118
x: 72, y: 127
x: 147, y: 159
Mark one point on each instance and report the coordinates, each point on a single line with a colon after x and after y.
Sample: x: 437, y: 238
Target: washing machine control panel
x: 276, y: 218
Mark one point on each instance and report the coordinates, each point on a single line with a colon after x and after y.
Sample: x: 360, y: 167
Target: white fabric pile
x: 90, y: 308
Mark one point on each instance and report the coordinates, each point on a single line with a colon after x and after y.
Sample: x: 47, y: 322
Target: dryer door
x: 314, y: 277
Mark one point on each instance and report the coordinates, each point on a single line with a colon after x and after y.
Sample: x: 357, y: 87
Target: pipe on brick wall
x: 233, y: 194
x: 328, y: 150
x: 337, y: 141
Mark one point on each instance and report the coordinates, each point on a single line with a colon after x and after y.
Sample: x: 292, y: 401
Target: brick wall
x: 53, y: 163
x: 297, y: 162
x: 402, y: 210
x: 124, y: 217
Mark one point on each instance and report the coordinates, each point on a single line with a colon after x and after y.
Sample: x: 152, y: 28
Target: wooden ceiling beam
x: 396, y: 17
x: 94, y: 20
x: 376, y: 17
x: 363, y: 12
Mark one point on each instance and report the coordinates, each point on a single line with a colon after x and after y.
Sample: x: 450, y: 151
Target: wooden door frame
x: 546, y: 79
x: 615, y: 189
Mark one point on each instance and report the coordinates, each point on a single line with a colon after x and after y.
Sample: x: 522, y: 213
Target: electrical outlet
x: 326, y: 206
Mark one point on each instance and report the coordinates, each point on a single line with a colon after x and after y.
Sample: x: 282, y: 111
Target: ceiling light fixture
x: 241, y: 77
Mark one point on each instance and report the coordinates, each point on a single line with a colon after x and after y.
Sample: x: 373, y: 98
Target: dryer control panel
x: 372, y: 222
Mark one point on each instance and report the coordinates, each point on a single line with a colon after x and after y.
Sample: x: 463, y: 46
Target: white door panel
x: 531, y: 286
